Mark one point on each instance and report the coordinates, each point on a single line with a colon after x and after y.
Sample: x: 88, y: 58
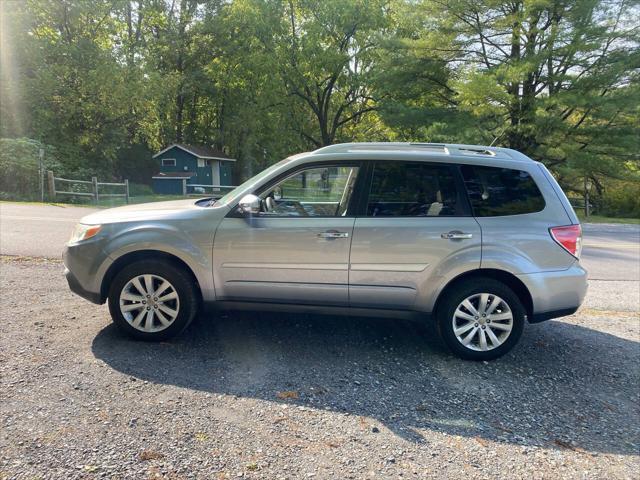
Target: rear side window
x: 413, y: 189
x: 495, y: 192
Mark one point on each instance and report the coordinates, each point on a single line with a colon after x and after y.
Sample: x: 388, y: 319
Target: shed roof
x: 199, y: 151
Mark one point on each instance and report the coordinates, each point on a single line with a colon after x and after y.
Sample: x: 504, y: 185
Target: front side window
x: 413, y: 189
x: 314, y: 192
x: 495, y: 192
x: 168, y: 162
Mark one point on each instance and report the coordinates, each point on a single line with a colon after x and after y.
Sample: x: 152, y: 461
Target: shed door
x: 225, y: 173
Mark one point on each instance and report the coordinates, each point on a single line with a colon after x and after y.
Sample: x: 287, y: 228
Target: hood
x: 144, y: 211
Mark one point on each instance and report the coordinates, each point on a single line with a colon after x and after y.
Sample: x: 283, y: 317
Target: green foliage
x: 139, y: 190
x: 105, y: 83
x: 19, y: 164
x: 555, y: 80
x: 620, y: 199
x: 326, y: 52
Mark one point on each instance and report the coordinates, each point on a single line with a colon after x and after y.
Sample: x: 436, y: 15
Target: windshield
x: 233, y: 194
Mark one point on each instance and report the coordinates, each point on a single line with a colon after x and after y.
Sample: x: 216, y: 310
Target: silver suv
x: 480, y: 239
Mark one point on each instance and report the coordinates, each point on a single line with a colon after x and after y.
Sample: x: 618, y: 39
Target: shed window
x: 168, y: 162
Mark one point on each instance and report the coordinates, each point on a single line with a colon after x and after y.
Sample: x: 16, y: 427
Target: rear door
x: 413, y: 229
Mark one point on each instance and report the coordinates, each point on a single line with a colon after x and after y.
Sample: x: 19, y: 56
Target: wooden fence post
x: 184, y: 187
x: 126, y: 189
x: 52, y: 185
x: 94, y: 184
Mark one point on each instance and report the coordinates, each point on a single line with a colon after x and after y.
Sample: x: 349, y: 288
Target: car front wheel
x: 152, y: 300
x: 481, y: 319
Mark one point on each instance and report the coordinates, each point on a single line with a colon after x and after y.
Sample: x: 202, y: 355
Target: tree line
x: 104, y: 83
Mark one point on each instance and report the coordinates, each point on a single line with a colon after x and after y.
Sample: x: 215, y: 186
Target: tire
x: 130, y: 306
x: 453, y: 314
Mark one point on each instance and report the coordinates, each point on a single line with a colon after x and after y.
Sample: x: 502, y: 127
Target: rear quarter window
x: 495, y: 192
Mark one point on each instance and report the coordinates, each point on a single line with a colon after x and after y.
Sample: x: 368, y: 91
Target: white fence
x: 582, y: 203
x: 217, y: 191
x: 94, y: 186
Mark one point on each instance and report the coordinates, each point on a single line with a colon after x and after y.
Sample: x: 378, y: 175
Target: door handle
x: 456, y: 235
x: 333, y: 234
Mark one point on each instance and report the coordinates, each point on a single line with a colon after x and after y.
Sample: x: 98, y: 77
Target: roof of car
x: 424, y: 148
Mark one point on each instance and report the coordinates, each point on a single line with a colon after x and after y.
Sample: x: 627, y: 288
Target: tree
x: 73, y: 81
x: 326, y: 53
x: 14, y: 119
x: 107, y: 82
x: 248, y: 106
x: 556, y: 80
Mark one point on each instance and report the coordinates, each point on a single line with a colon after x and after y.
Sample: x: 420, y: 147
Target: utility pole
x: 41, y: 173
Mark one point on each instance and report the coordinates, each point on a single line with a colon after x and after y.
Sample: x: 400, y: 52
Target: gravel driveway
x: 257, y: 395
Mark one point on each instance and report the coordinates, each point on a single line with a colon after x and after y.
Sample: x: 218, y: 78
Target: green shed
x: 193, y: 167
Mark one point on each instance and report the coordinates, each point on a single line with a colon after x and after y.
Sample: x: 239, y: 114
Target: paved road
x: 33, y: 230
x: 611, y: 252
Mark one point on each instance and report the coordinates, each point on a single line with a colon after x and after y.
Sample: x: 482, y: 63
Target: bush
x: 139, y: 190
x: 620, y: 199
x: 19, y: 164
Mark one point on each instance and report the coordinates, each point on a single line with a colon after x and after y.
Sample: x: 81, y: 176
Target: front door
x: 296, y: 250
x: 415, y: 228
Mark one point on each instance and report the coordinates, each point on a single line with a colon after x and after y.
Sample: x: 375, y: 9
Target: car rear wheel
x: 481, y: 319
x: 152, y: 300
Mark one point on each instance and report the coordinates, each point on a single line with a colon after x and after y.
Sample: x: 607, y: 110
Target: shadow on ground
x: 564, y: 387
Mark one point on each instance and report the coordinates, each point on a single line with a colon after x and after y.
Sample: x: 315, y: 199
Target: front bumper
x: 75, y: 287
x: 85, y: 266
x: 556, y: 294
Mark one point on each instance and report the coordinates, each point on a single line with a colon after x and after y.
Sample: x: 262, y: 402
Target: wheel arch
x: 509, y: 279
x: 138, y: 255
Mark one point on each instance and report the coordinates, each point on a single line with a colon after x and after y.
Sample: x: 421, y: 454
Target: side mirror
x: 250, y: 204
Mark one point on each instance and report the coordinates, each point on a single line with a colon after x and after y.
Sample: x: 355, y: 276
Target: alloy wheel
x: 482, y: 322
x: 149, y: 303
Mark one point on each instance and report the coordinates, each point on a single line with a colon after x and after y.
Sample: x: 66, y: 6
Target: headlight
x: 84, y: 232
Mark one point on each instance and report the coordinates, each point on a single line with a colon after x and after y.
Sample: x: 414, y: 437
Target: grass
x: 106, y: 202
x: 603, y: 219
x: 33, y: 202
x: 116, y: 202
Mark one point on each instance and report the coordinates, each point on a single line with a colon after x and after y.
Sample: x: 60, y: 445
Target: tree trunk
x: 513, y: 88
x: 179, y: 117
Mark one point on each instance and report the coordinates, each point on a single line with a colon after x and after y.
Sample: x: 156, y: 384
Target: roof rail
x: 436, y: 148
x: 368, y: 146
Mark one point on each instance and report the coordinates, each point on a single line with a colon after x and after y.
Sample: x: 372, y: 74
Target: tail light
x: 569, y: 238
